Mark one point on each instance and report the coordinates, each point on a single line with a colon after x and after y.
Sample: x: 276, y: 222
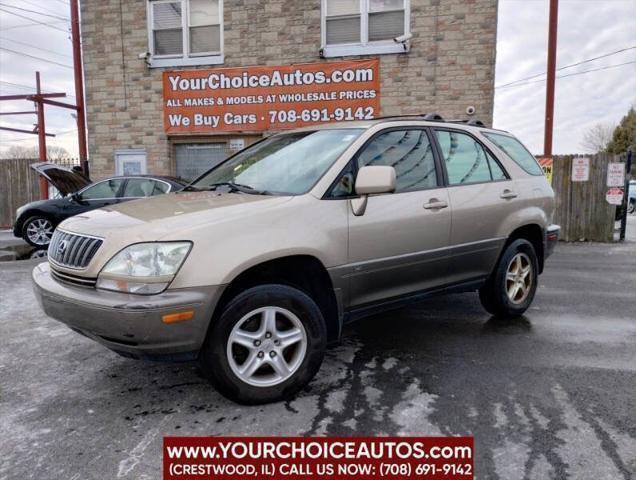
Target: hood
x: 65, y: 180
x: 173, y: 214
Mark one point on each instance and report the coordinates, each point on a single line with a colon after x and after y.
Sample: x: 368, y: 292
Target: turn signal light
x: 178, y: 317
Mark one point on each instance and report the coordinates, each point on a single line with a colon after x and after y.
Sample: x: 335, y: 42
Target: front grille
x: 72, y: 250
x: 75, y: 280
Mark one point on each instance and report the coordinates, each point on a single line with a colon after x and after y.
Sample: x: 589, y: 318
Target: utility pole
x: 44, y: 188
x: 79, y: 85
x: 549, y: 96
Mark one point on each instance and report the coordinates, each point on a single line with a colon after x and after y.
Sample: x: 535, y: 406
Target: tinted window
x: 409, y: 152
x: 515, y: 150
x: 495, y: 169
x: 140, y: 187
x: 160, y: 188
x: 465, y: 158
x: 105, y: 189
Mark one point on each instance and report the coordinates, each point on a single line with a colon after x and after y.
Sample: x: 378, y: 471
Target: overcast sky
x: 587, y: 29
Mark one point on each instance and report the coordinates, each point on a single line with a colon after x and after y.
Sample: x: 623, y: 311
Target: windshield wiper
x: 237, y: 187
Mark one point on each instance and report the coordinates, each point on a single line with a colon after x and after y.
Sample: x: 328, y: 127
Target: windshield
x: 288, y: 164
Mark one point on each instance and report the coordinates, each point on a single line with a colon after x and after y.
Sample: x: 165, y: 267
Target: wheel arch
x: 304, y: 272
x: 534, y: 233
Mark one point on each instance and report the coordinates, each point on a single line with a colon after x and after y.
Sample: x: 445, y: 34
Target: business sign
x: 616, y: 175
x: 580, y: 169
x: 547, y: 164
x: 270, y: 98
x: 614, y: 196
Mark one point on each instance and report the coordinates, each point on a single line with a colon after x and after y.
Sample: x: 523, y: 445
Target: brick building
x: 426, y: 55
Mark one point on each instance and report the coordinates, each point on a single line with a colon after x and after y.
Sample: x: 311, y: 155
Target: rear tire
x: 267, y: 344
x: 511, y: 287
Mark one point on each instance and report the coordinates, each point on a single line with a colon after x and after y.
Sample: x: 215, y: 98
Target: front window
x: 286, y: 164
x: 185, y: 32
x: 352, y: 27
x: 103, y: 190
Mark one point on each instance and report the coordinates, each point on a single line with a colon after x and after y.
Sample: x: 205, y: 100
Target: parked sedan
x: 36, y: 221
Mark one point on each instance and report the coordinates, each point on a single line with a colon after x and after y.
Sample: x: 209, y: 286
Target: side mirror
x: 76, y: 197
x: 372, y: 180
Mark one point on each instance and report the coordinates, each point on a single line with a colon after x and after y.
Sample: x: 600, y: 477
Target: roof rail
x: 471, y: 121
x: 435, y: 117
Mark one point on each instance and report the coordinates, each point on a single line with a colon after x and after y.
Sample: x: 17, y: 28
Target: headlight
x: 143, y: 268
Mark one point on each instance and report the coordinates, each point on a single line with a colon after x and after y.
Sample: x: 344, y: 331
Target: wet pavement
x: 550, y: 395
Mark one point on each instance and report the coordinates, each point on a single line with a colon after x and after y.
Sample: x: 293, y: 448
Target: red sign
x: 263, y: 98
x: 296, y: 458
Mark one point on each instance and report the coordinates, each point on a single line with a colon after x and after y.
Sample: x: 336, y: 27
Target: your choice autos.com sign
x: 270, y: 98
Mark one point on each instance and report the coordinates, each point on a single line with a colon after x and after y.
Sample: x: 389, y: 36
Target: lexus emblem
x: 62, y: 247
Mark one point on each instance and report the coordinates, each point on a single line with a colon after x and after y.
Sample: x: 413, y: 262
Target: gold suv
x: 254, y: 267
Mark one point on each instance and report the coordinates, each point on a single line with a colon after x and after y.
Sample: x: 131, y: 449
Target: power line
x: 27, y: 87
x: 36, y: 57
x: 34, y: 11
x: 35, y: 46
x: 574, y: 74
x: 34, y: 20
x: 4, y: 29
x: 568, y: 66
x: 33, y: 4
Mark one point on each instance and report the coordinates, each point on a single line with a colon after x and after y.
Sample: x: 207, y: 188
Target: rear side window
x: 466, y: 160
x: 515, y: 150
x: 409, y: 152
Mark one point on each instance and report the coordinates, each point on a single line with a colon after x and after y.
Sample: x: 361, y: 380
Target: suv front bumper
x: 130, y: 324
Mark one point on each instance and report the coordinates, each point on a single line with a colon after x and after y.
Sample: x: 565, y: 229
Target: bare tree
x: 52, y: 152
x: 597, y: 138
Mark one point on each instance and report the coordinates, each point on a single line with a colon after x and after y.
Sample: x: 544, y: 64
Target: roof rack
x: 435, y: 117
x: 471, y: 121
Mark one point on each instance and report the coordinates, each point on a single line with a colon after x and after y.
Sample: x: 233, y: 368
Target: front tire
x: 511, y: 287
x: 37, y: 231
x: 267, y: 344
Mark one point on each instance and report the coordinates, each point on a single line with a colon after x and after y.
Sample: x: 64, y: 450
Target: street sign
x: 616, y: 175
x: 614, y: 196
x: 547, y: 164
x: 580, y: 169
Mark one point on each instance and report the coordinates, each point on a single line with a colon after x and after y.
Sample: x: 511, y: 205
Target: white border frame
x: 364, y: 47
x: 186, y: 58
x: 130, y: 151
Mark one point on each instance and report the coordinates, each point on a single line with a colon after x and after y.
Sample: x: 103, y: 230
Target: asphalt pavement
x: 549, y: 395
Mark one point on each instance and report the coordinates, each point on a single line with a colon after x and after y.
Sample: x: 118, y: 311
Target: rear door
x: 482, y: 196
x: 398, y: 246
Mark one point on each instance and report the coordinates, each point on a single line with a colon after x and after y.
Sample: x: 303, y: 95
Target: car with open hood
x: 36, y: 221
x: 259, y: 263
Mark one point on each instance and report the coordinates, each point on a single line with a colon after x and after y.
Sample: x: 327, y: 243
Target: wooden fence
x: 581, y: 208
x: 19, y: 184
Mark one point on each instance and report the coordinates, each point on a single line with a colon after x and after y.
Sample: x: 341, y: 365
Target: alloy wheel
x: 39, y: 231
x: 267, y: 346
x: 519, y: 278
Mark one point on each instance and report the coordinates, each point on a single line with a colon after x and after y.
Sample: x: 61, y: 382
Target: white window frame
x: 120, y: 155
x: 185, y: 58
x: 365, y: 47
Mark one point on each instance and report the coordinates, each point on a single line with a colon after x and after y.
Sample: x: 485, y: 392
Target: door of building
x: 193, y: 159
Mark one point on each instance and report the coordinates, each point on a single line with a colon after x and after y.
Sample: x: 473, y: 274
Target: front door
x: 398, y: 246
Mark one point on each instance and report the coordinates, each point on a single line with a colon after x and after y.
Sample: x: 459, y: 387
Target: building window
x: 361, y: 27
x: 185, y: 32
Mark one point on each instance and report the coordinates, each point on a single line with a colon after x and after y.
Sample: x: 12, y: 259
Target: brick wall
x: 451, y: 65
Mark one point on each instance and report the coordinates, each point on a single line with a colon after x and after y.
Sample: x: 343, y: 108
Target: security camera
x: 403, y: 38
x: 144, y: 55
x: 470, y: 110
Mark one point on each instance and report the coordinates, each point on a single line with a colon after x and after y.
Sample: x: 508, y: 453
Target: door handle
x: 435, y: 204
x: 508, y: 194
